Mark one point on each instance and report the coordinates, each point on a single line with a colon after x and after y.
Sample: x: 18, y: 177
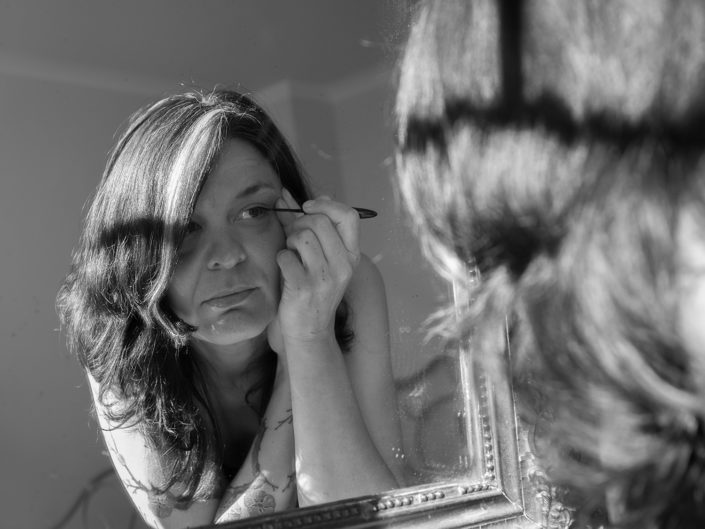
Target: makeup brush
x: 362, y: 212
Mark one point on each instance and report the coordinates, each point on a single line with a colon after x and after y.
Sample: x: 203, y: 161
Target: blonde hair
x: 555, y: 145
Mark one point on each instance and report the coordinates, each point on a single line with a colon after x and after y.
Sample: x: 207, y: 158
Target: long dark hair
x: 556, y: 147
x: 112, y: 304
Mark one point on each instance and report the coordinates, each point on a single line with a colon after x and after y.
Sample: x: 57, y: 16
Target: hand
x: 321, y: 256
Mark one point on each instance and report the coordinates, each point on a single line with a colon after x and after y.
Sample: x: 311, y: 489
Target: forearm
x: 335, y: 455
x: 266, y: 481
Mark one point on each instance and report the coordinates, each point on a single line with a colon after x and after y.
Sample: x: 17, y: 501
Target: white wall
x: 53, y: 144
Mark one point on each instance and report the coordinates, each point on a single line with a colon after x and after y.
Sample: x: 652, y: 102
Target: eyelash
x: 261, y: 211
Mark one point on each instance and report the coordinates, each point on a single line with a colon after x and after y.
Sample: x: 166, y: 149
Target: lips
x: 228, y: 300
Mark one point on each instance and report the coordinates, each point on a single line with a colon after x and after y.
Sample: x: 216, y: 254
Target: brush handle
x: 364, y: 213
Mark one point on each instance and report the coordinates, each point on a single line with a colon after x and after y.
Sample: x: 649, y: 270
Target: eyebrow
x: 255, y: 188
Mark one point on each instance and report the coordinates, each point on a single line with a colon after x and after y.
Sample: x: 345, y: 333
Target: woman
x: 557, y: 147
x: 222, y: 340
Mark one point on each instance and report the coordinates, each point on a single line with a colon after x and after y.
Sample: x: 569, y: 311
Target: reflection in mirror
x: 70, y: 75
x: 496, y: 482
x: 66, y: 93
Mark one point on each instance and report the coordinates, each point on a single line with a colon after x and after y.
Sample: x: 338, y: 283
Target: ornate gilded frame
x: 504, y: 489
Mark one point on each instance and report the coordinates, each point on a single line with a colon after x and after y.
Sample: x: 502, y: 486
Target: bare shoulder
x: 141, y: 469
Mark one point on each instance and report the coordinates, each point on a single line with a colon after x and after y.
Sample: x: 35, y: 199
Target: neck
x: 232, y: 366
x: 235, y: 379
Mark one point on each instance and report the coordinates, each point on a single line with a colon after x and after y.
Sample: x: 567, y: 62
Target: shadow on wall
x: 102, y: 503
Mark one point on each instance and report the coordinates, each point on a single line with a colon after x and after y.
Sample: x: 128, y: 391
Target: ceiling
x: 252, y: 42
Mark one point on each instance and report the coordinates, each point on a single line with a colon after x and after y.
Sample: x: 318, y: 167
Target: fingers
x: 317, y: 232
x: 324, y: 240
x: 344, y: 218
x: 316, y: 254
x: 316, y: 266
x: 292, y: 268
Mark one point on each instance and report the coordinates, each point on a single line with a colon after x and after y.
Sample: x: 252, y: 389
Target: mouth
x: 229, y: 300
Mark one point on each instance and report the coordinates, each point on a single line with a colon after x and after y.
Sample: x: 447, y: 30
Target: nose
x: 225, y: 251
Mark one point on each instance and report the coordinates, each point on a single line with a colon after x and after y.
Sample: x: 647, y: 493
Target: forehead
x: 239, y: 167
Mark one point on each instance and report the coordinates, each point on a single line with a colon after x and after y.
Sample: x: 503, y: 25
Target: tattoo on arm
x: 254, y: 496
x: 289, y: 419
x: 259, y: 502
x: 290, y: 481
x: 161, y: 503
x: 256, y: 468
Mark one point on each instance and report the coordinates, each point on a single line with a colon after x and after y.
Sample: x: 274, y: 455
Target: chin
x: 233, y: 329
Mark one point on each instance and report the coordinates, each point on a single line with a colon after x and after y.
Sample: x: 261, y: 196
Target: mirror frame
x: 506, y: 488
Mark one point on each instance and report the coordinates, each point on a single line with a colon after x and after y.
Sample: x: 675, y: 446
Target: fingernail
x: 307, y: 204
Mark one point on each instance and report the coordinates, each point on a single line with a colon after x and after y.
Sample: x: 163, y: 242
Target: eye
x: 188, y: 243
x: 192, y: 227
x: 253, y: 212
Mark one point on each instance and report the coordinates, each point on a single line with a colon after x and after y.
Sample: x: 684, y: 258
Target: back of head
x: 557, y: 147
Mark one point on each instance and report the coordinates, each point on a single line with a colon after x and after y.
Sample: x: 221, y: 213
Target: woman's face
x: 226, y: 281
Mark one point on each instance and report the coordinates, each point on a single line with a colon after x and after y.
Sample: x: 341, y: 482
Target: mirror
x: 495, y: 478
x: 70, y: 75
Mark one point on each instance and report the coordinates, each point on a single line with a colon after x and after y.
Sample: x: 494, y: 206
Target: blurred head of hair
x: 555, y: 149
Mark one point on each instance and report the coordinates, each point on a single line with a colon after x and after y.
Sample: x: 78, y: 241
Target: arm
x: 264, y: 483
x: 369, y: 364
x: 346, y: 424
x: 339, y: 428
x: 137, y: 464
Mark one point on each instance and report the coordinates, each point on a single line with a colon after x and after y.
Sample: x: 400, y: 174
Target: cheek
x: 277, y: 244
x: 267, y: 248
x: 272, y: 242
